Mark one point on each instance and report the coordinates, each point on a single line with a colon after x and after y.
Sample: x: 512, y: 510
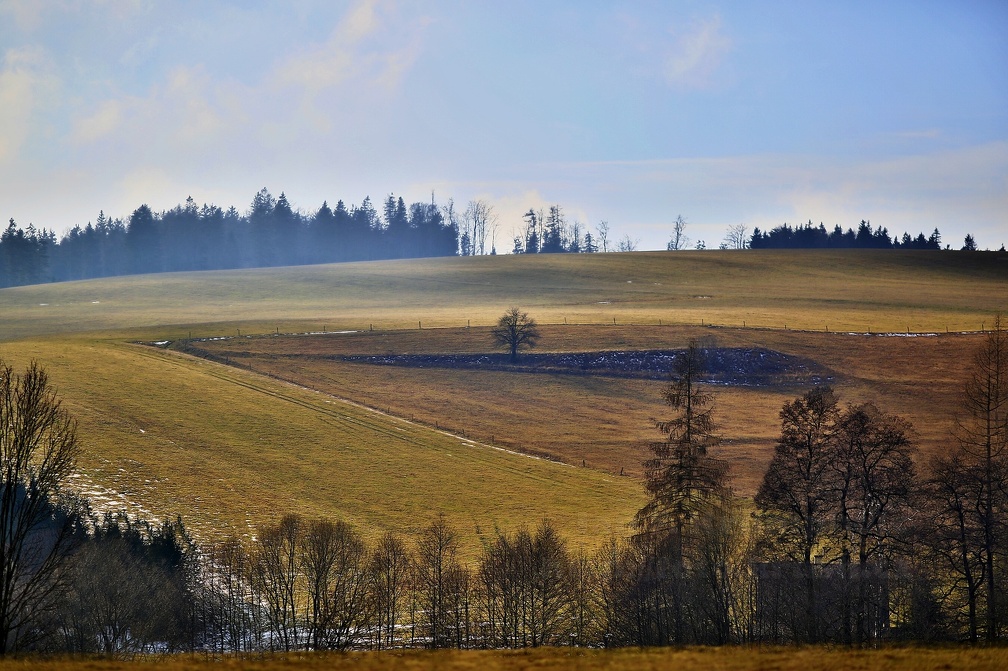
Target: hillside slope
x: 855, y: 290
x: 229, y: 449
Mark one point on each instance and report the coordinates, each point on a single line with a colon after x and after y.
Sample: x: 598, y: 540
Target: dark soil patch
x: 725, y: 365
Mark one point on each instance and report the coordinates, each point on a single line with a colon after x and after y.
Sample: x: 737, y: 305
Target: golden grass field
x: 227, y: 448
x: 548, y: 659
x: 605, y: 422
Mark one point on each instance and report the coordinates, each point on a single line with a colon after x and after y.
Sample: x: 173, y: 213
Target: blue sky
x: 628, y: 112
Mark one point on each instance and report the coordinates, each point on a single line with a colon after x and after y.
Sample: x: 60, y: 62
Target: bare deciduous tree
x: 954, y: 531
x: 276, y: 577
x: 982, y: 432
x: 797, y: 492
x: 876, y: 476
x: 38, y: 450
x: 479, y: 222
x: 437, y: 570
x: 737, y: 237
x: 678, y: 240
x: 515, y: 330
x: 603, y: 235
x: 390, y: 570
x: 627, y: 244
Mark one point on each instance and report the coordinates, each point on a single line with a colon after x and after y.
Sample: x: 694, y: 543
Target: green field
x: 227, y: 448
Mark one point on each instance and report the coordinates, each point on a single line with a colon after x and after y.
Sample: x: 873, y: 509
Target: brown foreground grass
x: 561, y: 659
x: 606, y: 422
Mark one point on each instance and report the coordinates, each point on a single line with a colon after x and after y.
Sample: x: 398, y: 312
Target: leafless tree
x: 38, y: 450
x: 479, y: 222
x: 981, y: 430
x: 876, y: 477
x: 515, y: 330
x: 627, y: 244
x: 584, y: 616
x: 451, y: 218
x: 390, y: 571
x: 953, y: 529
x: 227, y: 597
x: 737, y: 237
x: 437, y: 567
x: 318, y: 564
x: 350, y: 608
x: 720, y: 558
x: 603, y: 235
x: 678, y: 240
x: 276, y: 578
x: 797, y: 494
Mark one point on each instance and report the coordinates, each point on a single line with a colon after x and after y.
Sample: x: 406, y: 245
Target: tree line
x: 808, y: 236
x: 851, y: 539
x: 270, y: 233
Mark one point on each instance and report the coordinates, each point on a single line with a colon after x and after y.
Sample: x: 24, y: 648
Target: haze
x: 633, y: 113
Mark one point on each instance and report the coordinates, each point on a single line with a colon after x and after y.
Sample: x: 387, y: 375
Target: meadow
x: 229, y: 449
x: 287, y: 426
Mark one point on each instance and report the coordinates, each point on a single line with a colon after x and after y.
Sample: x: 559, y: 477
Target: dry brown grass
x: 606, y: 422
x: 230, y: 449
x: 561, y: 659
x: 165, y: 434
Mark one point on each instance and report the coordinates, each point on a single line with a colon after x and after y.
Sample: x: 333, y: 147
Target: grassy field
x: 605, y: 422
x: 229, y: 449
x: 546, y: 659
x: 841, y: 290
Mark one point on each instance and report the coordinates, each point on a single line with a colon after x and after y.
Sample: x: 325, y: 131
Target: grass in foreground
x: 560, y: 659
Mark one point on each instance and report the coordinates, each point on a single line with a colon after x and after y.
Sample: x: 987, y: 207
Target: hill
x: 230, y: 448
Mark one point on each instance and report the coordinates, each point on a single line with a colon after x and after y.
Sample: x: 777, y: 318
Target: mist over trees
x: 271, y: 233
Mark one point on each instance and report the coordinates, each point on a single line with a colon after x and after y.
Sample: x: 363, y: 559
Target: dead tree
x: 38, y: 450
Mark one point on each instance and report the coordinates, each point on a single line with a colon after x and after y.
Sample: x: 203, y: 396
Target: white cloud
x: 105, y: 121
x: 359, y: 22
x: 696, y: 54
x: 369, y: 51
x: 25, y: 14
x: 24, y: 84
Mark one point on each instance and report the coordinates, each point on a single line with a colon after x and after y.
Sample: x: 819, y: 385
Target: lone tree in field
x: 515, y: 330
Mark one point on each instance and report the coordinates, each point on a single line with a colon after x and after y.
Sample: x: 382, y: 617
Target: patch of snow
x: 895, y: 335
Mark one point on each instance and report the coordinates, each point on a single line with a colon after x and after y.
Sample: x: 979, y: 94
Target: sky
x: 752, y: 113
